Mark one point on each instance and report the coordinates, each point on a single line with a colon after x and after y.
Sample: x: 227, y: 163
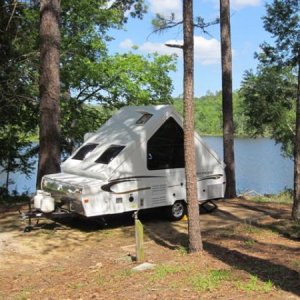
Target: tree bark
x: 195, y: 240
x: 228, y: 129
x: 49, y: 154
x: 296, y: 203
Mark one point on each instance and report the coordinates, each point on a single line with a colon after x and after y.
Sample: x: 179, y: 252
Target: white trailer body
x: 134, y: 161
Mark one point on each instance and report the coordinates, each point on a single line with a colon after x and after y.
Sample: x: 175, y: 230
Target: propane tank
x: 47, y: 203
x: 37, y: 199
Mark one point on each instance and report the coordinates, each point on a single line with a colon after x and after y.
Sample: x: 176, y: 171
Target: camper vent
x: 119, y: 200
x: 143, y: 119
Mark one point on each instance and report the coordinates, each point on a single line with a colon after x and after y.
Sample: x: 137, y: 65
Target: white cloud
x: 237, y: 4
x: 126, y: 44
x: 166, y: 7
x: 207, y: 51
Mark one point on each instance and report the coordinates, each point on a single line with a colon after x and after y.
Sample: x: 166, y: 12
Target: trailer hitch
x: 36, y: 214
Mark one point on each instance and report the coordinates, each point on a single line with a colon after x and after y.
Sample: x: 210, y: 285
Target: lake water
x: 259, y: 167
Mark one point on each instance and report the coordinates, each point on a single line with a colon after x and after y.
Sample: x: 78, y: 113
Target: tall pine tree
x: 195, y: 241
x: 49, y: 155
x: 228, y: 130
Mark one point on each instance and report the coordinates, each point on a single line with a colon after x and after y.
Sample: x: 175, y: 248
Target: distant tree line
x: 208, y: 114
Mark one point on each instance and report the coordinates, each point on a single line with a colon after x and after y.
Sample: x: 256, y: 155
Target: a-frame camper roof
x: 122, y: 137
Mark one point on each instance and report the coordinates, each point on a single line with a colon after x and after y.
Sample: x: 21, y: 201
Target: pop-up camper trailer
x: 135, y: 161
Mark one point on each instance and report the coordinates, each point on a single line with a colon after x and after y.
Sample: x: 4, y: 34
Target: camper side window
x: 165, y: 148
x: 84, y: 151
x: 109, y: 154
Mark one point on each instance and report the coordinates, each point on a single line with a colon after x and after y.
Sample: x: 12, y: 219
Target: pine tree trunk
x: 49, y: 155
x: 296, y: 204
x: 228, y: 130
x: 195, y: 241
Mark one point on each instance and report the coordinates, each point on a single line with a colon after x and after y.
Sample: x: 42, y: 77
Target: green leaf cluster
x: 18, y: 88
x: 269, y: 104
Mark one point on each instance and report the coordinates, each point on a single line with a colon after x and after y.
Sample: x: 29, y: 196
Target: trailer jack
x: 37, y: 215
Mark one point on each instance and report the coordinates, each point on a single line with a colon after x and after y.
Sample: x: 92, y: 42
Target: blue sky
x: 247, y: 34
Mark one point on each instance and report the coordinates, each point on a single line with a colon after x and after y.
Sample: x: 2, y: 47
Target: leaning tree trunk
x: 296, y: 204
x: 195, y: 241
x: 228, y: 131
x: 49, y: 154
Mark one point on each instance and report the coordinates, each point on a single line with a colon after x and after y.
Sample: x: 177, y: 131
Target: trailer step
x: 208, y: 206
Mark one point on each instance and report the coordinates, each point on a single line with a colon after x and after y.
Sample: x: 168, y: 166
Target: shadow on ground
x: 264, y: 269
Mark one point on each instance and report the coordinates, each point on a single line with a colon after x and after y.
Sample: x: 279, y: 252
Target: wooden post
x: 139, y: 238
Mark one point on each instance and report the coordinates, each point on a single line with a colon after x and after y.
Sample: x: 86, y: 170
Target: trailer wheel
x: 177, y: 211
x: 27, y: 229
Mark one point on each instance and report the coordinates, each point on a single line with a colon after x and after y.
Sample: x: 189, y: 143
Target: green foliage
x: 282, y: 20
x: 18, y: 89
x: 271, y: 92
x: 210, y: 281
x: 269, y: 104
x: 138, y: 80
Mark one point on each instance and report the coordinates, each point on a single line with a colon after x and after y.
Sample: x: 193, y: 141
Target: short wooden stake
x: 139, y: 238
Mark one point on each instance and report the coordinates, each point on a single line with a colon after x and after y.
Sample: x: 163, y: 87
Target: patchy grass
x: 76, y: 285
x: 249, y: 243
x: 296, y: 265
x: 294, y: 230
x: 247, y: 229
x: 163, y: 270
x: 24, y: 294
x: 255, y: 285
x: 226, y: 232
x: 211, y: 281
x: 100, y: 279
x: 286, y: 228
x: 285, y: 197
x: 124, y: 273
x: 182, y: 250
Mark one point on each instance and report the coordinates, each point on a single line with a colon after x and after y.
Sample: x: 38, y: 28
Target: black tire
x: 27, y: 229
x: 176, y: 211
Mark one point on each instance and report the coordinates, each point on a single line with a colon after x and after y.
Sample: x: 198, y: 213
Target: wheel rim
x: 177, y: 209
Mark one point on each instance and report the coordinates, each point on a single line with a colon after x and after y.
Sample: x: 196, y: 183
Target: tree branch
x: 174, y: 46
x: 202, y: 25
x: 12, y: 14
